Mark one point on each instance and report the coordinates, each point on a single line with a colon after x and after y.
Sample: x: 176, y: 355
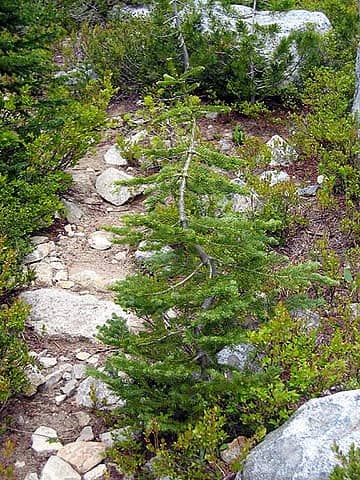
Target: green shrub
x: 349, y: 468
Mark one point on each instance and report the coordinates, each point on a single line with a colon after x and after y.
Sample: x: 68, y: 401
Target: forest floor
x: 72, y: 250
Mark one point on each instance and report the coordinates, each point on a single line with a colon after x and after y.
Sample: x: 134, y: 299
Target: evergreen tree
x: 211, y: 272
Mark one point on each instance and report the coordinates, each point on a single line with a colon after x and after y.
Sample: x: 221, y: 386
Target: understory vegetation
x: 215, y: 276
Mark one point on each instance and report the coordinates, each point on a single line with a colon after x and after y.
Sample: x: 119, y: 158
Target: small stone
x: 79, y: 371
x: 83, y: 355
x: 66, y: 284
x: 39, y: 239
x: 83, y: 456
x: 212, y: 115
x: 241, y: 356
x: 43, y: 273
x: 57, y: 469
x: 69, y: 230
x: 92, y: 391
x: 61, y: 275
x: 282, y: 153
x: 234, y: 449
x: 19, y: 464
x: 86, y: 435
x: 118, y: 435
x: 121, y: 255
x: 108, y: 188
x: 100, y: 241
x: 69, y: 387
x: 73, y: 211
x: 80, y: 234
x: 45, y: 440
x: 31, y: 476
x: 274, y: 177
x: 96, y: 473
x: 56, y: 265
x: 67, y: 376
x: 35, y: 379
x: 320, y: 179
x: 83, y: 418
x: 40, y: 252
x: 53, y: 378
x: 47, y: 362
x: 114, y: 157
x: 93, y: 360
x: 59, y: 399
x: 309, y: 191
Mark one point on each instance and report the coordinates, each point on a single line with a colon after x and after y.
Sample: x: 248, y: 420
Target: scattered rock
x: 83, y: 418
x: 45, y: 440
x: 247, y: 202
x: 59, y: 399
x: 31, y: 476
x: 76, y: 315
x: 240, y: 356
x: 35, y: 379
x: 83, y: 355
x: 320, y: 179
x: 233, y: 450
x: 79, y: 371
x: 282, y: 154
x: 96, y: 473
x: 69, y: 387
x: 39, y: 239
x: 56, y: 265
x: 90, y: 279
x: 100, y: 240
x: 310, y: 319
x: 93, y: 360
x: 43, y: 273
x: 114, y: 157
x: 19, y: 464
x: 91, y: 390
x: 73, y: 211
x: 142, y: 255
x: 53, y: 378
x: 60, y: 276
x: 309, y: 191
x: 274, y: 177
x: 56, y: 469
x: 66, y: 284
x: 40, y: 252
x: 107, y: 188
x: 83, y: 456
x: 302, y: 448
x: 119, y: 435
x: 86, y: 435
x: 47, y: 362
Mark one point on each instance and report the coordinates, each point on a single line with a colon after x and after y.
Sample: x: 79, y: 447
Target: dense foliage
x: 47, y: 122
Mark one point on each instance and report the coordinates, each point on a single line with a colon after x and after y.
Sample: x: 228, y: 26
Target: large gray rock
x: 281, y: 152
x: 113, y: 157
x: 61, y: 313
x: 72, y: 210
x: 109, y: 190
x: 286, y: 21
x: 45, y: 440
x: 301, y: 449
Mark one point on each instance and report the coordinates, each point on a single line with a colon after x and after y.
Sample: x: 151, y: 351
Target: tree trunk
x: 185, y: 53
x: 252, y: 66
x: 356, y: 103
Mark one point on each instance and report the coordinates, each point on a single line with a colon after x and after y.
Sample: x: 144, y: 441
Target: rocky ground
x: 75, y: 262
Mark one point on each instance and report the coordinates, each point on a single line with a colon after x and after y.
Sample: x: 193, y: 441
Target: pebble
x: 57, y: 265
x: 31, y: 476
x: 53, y: 378
x: 19, y: 464
x: 67, y: 376
x: 61, y: 275
x: 83, y: 355
x: 39, y: 239
x: 79, y: 371
x: 59, y: 399
x: 94, y: 360
x: 99, y: 241
x: 83, y: 418
x: 69, y: 387
x: 96, y: 473
x: 47, y: 362
x: 86, y: 435
x: 66, y: 284
x: 45, y: 440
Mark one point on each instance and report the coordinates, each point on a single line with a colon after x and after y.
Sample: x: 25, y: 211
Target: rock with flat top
x: 76, y: 315
x: 96, y: 473
x: 39, y: 253
x: 57, y: 469
x: 100, y: 240
x: 45, y: 440
x: 83, y: 456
